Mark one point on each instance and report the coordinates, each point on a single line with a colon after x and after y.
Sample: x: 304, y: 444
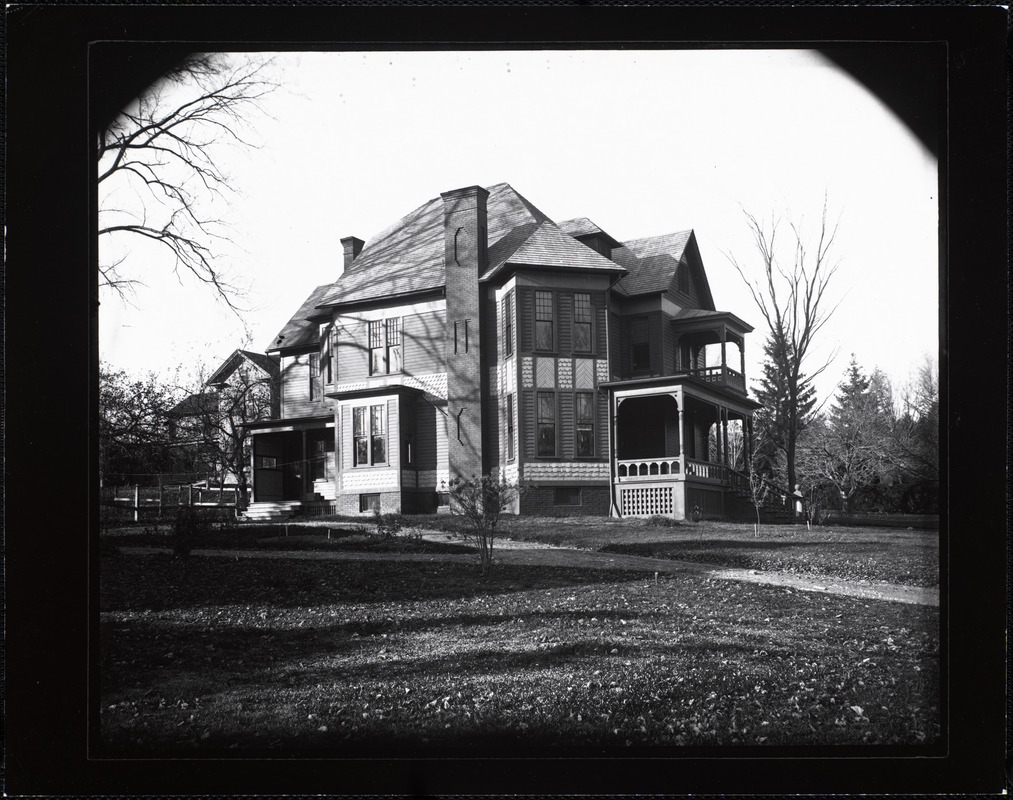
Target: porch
x: 293, y: 461
x: 675, y: 445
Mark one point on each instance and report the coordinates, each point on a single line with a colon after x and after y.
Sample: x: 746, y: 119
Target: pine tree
x: 787, y: 410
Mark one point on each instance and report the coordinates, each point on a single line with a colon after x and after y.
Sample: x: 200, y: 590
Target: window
x: 546, y: 424
x: 566, y: 496
x: 265, y: 462
x: 319, y: 448
x: 585, y: 423
x: 370, y: 503
x: 640, y: 349
x: 507, y: 310
x: 326, y: 356
x: 369, y: 436
x: 385, y: 346
x: 393, y: 326
x: 543, y: 321
x: 582, y: 316
x: 315, y: 390
x: 510, y: 427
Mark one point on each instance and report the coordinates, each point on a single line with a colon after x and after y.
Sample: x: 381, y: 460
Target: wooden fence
x: 163, y: 499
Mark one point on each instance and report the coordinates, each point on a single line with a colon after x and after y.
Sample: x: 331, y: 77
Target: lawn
x: 875, y: 554
x: 218, y: 655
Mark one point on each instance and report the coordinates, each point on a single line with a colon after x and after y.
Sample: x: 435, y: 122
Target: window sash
x: 508, y: 324
x: 544, y: 321
x: 369, y: 438
x: 584, y: 416
x: 546, y: 423
x: 510, y: 426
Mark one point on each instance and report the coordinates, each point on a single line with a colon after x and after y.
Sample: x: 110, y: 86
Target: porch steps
x: 272, y: 511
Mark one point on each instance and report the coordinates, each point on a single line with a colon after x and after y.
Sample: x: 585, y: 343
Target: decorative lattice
x: 647, y: 501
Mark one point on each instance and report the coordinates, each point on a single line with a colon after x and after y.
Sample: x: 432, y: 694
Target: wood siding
x: 565, y: 425
x: 424, y: 339
x: 426, y: 422
x: 295, y: 388
x: 352, y: 350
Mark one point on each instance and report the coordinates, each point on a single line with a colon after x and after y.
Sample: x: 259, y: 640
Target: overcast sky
x: 642, y: 142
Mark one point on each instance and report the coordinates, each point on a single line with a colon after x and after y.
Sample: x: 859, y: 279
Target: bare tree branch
x: 165, y: 149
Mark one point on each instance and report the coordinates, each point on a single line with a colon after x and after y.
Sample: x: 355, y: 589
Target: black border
x: 50, y: 310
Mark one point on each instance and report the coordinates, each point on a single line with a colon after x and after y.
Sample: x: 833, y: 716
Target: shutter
x: 526, y: 302
x: 566, y: 425
x: 564, y: 309
x: 528, y: 422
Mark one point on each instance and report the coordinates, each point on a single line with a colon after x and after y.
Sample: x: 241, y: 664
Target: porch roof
x: 372, y: 391
x: 290, y: 424
x: 664, y: 382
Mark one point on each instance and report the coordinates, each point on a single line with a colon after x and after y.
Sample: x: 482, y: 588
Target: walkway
x: 508, y: 551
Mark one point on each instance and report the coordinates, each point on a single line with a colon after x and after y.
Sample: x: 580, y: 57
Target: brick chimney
x: 352, y: 247
x: 465, y: 256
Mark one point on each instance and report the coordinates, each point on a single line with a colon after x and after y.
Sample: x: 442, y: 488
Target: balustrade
x: 722, y: 376
x: 648, y: 468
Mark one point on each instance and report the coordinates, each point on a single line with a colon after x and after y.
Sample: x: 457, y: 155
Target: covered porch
x: 674, y: 442
x: 293, y: 460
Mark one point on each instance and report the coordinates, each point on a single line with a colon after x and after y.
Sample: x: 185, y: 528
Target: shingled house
x: 477, y: 336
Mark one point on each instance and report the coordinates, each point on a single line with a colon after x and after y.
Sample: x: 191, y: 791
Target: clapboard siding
x: 564, y: 317
x: 347, y: 446
x: 493, y: 417
x: 526, y: 313
x: 600, y: 332
x: 423, y: 342
x: 442, y: 457
x: 528, y: 417
x: 425, y: 435
x: 654, y: 325
x: 670, y: 356
x: 295, y: 388
x: 352, y: 350
x: 492, y: 334
x: 615, y: 347
x: 565, y: 434
x: 601, y: 421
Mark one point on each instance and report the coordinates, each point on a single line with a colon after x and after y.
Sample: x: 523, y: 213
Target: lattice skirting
x: 647, y: 501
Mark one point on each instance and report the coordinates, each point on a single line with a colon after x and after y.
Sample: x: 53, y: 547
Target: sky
x: 643, y: 143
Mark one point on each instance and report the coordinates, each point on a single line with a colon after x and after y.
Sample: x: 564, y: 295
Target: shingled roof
x: 408, y: 256
x: 303, y: 329
x: 268, y: 364
x: 652, y: 262
x: 546, y: 246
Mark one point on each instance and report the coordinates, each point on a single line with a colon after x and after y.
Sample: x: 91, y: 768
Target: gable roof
x: 546, y: 246
x: 302, y: 329
x: 266, y: 363
x: 652, y: 262
x: 408, y: 256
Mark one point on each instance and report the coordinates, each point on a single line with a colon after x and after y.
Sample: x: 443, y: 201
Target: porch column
x: 717, y: 434
x: 680, y: 399
x: 742, y: 357
x: 724, y: 340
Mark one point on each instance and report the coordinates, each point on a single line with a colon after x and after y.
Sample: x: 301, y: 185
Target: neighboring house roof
x: 408, y: 257
x: 194, y: 404
x: 545, y: 245
x: 267, y: 364
x: 303, y: 329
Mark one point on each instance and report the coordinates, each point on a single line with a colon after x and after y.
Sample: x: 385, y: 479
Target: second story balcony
x: 721, y: 376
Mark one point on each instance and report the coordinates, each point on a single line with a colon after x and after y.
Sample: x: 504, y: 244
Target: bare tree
x: 481, y: 501
x: 160, y: 159
x: 791, y: 295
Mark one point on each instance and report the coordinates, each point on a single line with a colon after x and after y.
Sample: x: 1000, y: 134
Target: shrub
x: 388, y: 526
x: 480, y: 501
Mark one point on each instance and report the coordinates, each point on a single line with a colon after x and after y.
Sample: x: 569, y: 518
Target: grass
x: 214, y: 655
x: 874, y: 554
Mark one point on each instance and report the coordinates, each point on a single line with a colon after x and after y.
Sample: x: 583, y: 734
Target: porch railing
x: 722, y: 376
x: 706, y: 470
x: 647, y: 468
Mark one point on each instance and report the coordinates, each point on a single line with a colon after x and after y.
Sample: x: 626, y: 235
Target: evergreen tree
x: 850, y: 448
x: 787, y: 410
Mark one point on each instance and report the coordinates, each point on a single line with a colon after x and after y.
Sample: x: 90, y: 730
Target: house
x: 477, y: 336
x: 208, y: 427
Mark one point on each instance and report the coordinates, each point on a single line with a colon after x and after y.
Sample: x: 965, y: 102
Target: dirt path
x: 526, y: 553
